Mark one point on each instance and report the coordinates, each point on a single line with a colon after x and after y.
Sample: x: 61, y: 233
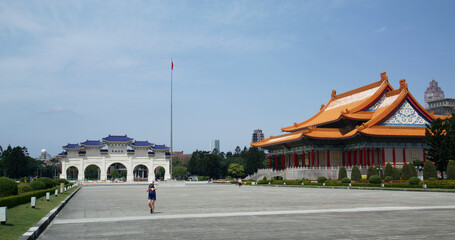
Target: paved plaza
x: 253, y: 212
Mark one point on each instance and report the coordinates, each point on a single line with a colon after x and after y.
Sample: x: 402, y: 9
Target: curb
x: 35, y: 231
x: 360, y: 188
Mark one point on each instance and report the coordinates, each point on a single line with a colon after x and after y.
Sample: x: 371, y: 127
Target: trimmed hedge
x: 322, y: 179
x: 388, y: 178
x: 8, y: 187
x: 24, y: 189
x: 342, y: 173
x: 346, y: 180
x: 62, y: 180
x: 48, y: 182
x: 37, y: 185
x: 13, y: 201
x: 355, y: 174
x: 414, y: 181
x: 375, y: 179
x: 263, y: 182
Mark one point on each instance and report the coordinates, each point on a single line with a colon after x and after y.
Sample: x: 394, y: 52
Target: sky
x: 77, y: 70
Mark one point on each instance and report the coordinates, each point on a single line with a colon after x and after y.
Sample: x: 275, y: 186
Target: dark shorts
x: 152, y: 197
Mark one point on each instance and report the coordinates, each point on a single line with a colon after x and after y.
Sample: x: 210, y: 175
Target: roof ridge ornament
x: 295, y: 124
x: 384, y: 77
x: 403, y: 84
x: 322, y: 106
x: 334, y: 94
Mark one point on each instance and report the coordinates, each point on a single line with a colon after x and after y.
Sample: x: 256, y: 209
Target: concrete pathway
x: 253, y: 212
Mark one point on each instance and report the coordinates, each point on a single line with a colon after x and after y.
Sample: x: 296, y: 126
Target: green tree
x: 236, y: 170
x: 180, y: 172
x: 356, y: 175
x: 14, y: 160
x: 254, y: 160
x: 396, y: 173
x: 451, y: 170
x: 371, y: 171
x: 342, y: 173
x: 407, y: 171
x: 92, y: 172
x: 440, y: 137
x: 114, y: 174
x: 388, y: 171
x: 429, y: 170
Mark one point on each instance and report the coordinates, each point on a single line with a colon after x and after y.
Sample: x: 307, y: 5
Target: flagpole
x: 170, y: 170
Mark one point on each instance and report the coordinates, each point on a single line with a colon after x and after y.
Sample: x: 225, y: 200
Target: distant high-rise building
x: 215, y: 144
x: 433, y: 93
x: 257, y: 135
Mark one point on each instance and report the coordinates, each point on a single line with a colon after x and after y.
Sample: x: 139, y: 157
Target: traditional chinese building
x: 371, y: 125
x: 137, y: 158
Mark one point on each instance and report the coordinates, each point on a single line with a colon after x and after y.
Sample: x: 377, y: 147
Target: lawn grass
x: 23, y: 217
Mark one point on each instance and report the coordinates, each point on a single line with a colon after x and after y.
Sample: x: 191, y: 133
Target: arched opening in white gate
x: 92, y: 172
x: 72, y: 173
x: 159, y: 173
x: 117, y: 171
x: 141, y: 173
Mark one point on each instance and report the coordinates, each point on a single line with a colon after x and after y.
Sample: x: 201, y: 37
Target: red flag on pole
x: 172, y: 65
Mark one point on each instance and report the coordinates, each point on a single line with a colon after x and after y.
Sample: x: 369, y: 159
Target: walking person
x: 151, y: 189
x: 240, y: 182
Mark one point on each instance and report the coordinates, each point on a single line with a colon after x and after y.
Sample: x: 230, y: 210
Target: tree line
x: 215, y: 165
x: 15, y: 163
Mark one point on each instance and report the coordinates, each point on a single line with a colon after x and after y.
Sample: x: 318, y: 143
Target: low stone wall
x: 300, y: 172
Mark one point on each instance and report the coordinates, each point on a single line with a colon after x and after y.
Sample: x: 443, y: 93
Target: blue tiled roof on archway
x: 114, y: 138
x: 92, y: 143
x: 141, y: 144
x: 161, y: 147
x: 72, y: 146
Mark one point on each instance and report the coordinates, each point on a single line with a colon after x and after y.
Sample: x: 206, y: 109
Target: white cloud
x: 381, y: 29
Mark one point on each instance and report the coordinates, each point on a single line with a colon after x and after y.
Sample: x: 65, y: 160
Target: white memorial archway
x: 120, y: 150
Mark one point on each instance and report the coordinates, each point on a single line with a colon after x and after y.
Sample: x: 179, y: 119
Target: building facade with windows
x: 257, y: 136
x: 140, y: 159
x: 371, y: 125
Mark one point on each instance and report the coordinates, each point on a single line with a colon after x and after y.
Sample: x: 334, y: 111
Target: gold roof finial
x: 384, y: 77
x: 403, y: 84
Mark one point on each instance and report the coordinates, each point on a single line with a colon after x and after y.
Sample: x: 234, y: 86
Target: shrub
x: 278, y: 182
x: 263, y: 182
x: 388, y: 171
x: 293, y: 182
x: 62, y: 180
x: 346, y: 180
x: 396, y: 173
x: 375, y: 179
x: 407, y: 171
x: 414, y: 181
x: 37, y: 185
x: 371, y: 171
x: 48, y: 183
x: 24, y: 189
x: 322, y: 179
x: 432, y: 179
x: 355, y: 174
x: 342, y: 173
x: 8, y: 187
x: 429, y: 171
x: 448, y: 184
x: 264, y: 178
x: 388, y: 179
x: 451, y: 170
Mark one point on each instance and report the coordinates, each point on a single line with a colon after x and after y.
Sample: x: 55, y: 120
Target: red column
x: 343, y: 163
x: 354, y: 156
x: 312, y: 157
x: 383, y: 157
x: 394, y: 160
x: 404, y: 156
x: 276, y: 162
x: 295, y: 160
x: 328, y: 158
x: 317, y: 157
x: 360, y: 157
x: 372, y: 157
x: 283, y: 163
x: 303, y: 158
x: 424, y: 158
x: 270, y: 161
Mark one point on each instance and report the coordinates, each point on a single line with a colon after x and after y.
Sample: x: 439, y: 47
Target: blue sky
x: 77, y: 70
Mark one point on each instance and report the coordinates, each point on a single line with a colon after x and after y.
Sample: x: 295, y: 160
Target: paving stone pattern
x: 253, y: 212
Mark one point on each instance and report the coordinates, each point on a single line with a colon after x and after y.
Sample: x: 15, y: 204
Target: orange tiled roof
x: 391, y: 103
x: 346, y: 104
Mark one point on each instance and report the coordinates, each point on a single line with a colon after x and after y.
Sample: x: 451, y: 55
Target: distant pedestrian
x: 151, y: 189
x: 240, y: 182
